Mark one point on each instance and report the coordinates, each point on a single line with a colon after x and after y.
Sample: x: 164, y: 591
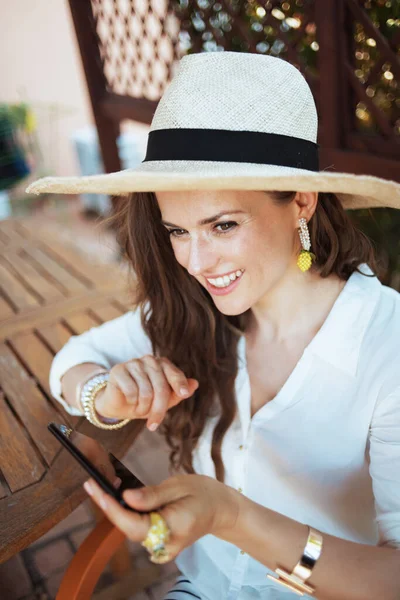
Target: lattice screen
x: 138, y: 45
x: 141, y: 41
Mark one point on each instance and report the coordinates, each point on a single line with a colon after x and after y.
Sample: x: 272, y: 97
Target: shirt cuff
x: 61, y: 364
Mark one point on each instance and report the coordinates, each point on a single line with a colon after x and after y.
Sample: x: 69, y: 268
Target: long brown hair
x: 183, y: 324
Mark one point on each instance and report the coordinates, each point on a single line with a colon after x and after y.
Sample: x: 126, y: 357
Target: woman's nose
x: 201, y: 257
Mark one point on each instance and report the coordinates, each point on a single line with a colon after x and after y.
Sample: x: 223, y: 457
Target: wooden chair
x: 91, y: 559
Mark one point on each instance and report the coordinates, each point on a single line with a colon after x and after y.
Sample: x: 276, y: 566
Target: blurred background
x: 80, y: 81
x: 80, y: 86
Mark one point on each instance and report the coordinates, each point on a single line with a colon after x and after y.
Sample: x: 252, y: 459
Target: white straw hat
x: 230, y: 121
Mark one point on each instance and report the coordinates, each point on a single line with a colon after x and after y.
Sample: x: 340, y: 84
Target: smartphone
x: 101, y: 465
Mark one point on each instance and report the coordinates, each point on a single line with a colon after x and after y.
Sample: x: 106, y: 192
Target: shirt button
x: 240, y: 490
x: 242, y: 552
x: 241, y: 447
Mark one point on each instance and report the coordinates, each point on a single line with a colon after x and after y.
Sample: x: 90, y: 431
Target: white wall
x: 40, y: 63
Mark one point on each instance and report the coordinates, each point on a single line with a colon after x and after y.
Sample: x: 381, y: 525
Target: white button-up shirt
x: 325, y: 451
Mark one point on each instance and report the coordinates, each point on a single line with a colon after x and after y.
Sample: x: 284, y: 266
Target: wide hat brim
x: 354, y: 191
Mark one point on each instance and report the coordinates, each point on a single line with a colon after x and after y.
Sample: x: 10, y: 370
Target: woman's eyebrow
x: 209, y: 219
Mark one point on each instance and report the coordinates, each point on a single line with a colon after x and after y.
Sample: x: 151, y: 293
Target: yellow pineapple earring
x: 305, y: 258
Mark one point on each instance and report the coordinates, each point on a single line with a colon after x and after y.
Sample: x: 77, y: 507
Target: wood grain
x: 48, y: 292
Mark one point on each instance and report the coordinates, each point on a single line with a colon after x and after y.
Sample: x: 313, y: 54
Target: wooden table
x: 48, y: 292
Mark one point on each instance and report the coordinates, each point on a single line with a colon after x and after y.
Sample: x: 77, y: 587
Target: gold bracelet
x: 88, y: 397
x: 295, y: 580
x: 96, y: 371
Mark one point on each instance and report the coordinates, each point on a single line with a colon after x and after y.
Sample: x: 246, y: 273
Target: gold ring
x: 157, y: 536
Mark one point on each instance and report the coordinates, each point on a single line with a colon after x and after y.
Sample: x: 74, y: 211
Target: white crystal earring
x: 305, y: 258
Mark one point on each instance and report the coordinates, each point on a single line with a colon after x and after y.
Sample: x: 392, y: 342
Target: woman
x: 262, y: 343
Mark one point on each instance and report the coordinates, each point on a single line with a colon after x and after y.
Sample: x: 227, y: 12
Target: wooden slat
x: 13, y: 289
x: 35, y: 355
x: 86, y: 267
x: 125, y: 302
x: 6, y: 310
x: 35, y: 280
x: 32, y: 407
x: 9, y: 229
x: 19, y: 224
x: 81, y: 322
x: 330, y: 126
x: 20, y: 464
x: 3, y: 491
x: 4, y: 238
x: 106, y: 312
x: 31, y: 499
x: 38, y: 360
x: 120, y: 107
x: 59, y: 272
x: 47, y: 314
x: 55, y: 334
x: 107, y: 127
x: 361, y: 163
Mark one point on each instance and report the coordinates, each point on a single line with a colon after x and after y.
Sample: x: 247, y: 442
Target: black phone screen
x: 101, y: 465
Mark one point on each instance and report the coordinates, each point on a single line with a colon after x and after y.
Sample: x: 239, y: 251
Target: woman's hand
x: 192, y: 505
x: 144, y: 388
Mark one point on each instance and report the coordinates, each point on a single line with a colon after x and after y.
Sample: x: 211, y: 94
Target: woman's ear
x: 306, y: 204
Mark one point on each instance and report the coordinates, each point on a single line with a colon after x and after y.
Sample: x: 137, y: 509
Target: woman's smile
x: 222, y: 285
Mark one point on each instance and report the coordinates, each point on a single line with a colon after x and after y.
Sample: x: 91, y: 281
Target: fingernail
x: 88, y: 488
x: 184, y: 391
x: 117, y: 482
x: 136, y: 493
x: 153, y: 426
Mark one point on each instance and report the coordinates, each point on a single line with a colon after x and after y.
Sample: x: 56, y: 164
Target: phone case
x: 128, y: 479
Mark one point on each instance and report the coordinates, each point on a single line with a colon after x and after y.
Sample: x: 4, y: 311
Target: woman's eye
x: 224, y: 227
x: 176, y: 232
x: 219, y: 228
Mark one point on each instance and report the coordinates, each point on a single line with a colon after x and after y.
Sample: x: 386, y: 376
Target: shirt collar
x: 340, y: 337
x: 339, y: 340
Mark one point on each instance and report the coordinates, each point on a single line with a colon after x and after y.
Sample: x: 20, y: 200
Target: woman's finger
x: 152, y: 497
x: 122, y: 378
x: 161, y: 392
x: 175, y: 377
x: 193, y: 385
x: 134, y: 525
x: 143, y: 383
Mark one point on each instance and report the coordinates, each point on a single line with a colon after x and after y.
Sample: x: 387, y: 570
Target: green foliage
x: 17, y: 113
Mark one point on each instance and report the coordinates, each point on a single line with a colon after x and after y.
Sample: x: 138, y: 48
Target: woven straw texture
x: 237, y: 92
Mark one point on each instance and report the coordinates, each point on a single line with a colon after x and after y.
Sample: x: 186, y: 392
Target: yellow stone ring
x: 157, y: 536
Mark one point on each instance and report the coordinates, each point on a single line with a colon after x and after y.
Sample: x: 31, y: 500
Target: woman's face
x: 237, y: 244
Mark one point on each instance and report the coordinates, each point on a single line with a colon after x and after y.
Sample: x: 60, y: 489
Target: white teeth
x: 225, y: 280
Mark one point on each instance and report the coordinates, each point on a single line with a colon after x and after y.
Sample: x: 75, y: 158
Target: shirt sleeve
x: 113, y: 342
x: 385, y: 468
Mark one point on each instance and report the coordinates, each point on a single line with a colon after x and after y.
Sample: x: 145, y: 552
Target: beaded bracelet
x: 88, y: 397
